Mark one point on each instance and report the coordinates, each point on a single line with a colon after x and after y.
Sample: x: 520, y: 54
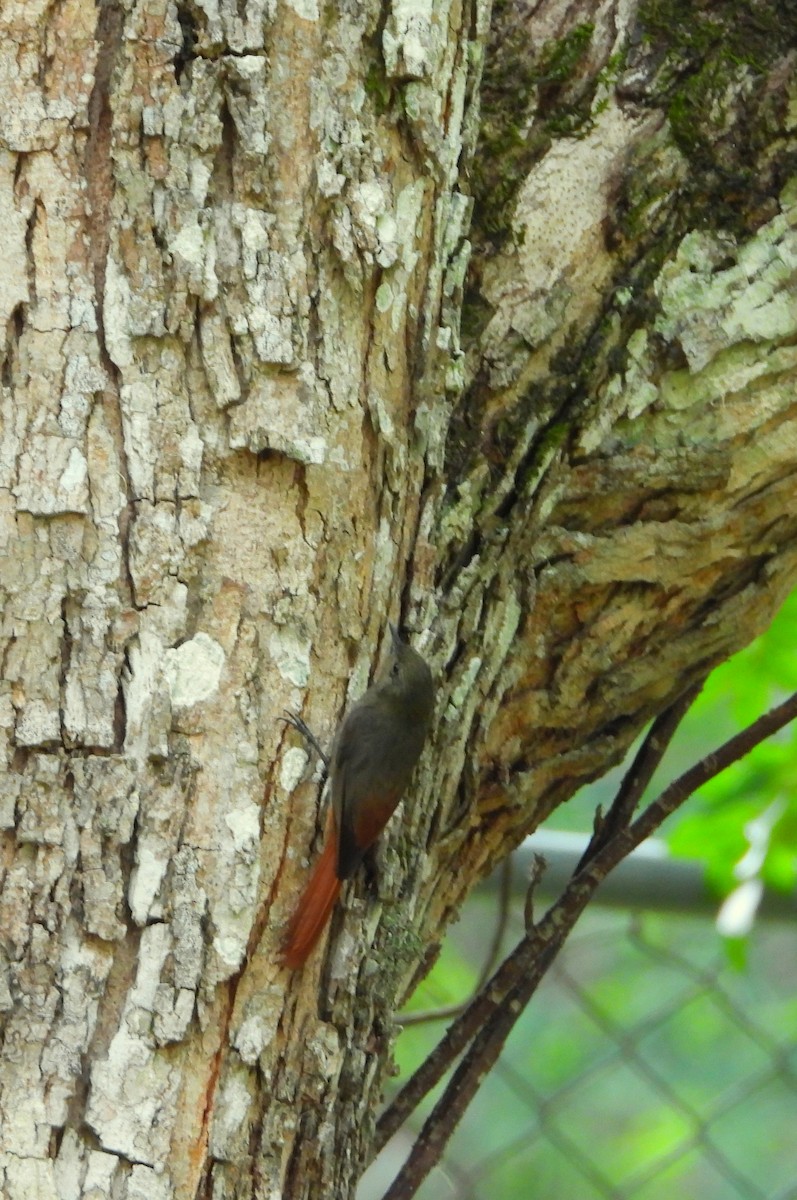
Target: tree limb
x: 517, y: 979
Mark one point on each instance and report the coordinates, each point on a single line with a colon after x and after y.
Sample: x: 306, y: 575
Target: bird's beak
x: 394, y: 633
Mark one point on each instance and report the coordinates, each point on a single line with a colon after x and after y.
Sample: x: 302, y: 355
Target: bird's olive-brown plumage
x: 373, y: 756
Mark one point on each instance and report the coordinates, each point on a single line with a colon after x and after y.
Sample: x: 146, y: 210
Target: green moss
x: 719, y: 162
x: 691, y: 60
x: 723, y: 156
x: 711, y: 80
x: 378, y: 87
x: 559, y: 60
x: 742, y: 32
x: 553, y: 437
x: 527, y: 100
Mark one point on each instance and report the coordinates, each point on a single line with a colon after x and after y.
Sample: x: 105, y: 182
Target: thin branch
x: 536, y: 872
x: 638, y: 775
x: 453, y: 1042
x: 499, y: 932
x: 540, y: 947
x: 697, y: 776
x: 481, y: 1007
x: 493, y: 954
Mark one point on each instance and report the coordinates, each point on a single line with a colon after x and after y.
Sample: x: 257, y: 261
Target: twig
x: 539, y: 948
x: 488, y: 966
x: 698, y: 775
x: 638, y: 775
x: 482, y: 1006
x: 446, y: 1114
x: 499, y: 932
x: 538, y: 865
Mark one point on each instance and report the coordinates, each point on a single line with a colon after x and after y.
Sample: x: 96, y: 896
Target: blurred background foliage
x: 714, y: 825
x: 652, y: 1062
x: 753, y: 805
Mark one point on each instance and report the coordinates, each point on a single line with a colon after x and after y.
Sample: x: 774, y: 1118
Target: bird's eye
x: 394, y: 670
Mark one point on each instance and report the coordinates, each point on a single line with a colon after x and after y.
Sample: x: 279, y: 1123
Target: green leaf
x: 712, y: 825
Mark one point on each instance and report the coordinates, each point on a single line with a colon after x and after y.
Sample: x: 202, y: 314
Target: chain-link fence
x: 647, y: 1067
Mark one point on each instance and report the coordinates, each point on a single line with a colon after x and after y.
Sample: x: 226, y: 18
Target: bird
x: 373, y: 755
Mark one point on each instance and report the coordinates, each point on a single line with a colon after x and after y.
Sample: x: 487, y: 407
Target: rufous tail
x: 312, y: 912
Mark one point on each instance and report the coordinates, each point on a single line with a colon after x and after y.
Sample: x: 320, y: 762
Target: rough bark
x: 242, y: 427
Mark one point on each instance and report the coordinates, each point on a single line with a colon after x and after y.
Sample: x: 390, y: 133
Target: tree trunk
x: 255, y: 402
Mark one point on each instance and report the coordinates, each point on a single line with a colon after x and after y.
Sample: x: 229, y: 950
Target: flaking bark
x: 258, y: 396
